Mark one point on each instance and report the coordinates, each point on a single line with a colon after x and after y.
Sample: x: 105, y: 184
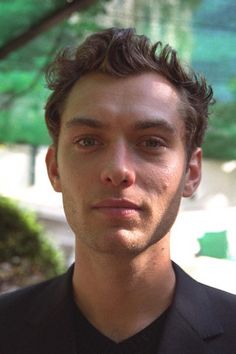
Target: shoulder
x: 224, y: 302
x: 18, y: 301
x: 16, y: 295
x: 220, y: 299
x: 187, y: 284
x: 28, y: 314
x: 15, y: 304
x: 204, y: 297
x: 187, y: 281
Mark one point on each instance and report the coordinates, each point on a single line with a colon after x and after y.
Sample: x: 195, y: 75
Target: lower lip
x: 118, y: 212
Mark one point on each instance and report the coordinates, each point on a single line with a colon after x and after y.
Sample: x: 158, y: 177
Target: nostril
x: 118, y: 178
x: 125, y: 180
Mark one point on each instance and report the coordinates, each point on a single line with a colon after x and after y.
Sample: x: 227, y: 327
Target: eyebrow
x: 85, y: 122
x: 159, y: 123
x: 155, y: 123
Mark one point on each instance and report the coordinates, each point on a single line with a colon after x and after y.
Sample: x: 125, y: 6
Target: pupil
x: 152, y: 143
x: 88, y: 142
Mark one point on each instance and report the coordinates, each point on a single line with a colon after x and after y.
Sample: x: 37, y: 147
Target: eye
x: 87, y: 142
x: 152, y: 143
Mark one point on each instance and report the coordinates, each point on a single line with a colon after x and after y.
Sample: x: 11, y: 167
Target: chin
x: 123, y: 243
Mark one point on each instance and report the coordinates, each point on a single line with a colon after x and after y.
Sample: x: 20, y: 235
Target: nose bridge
x: 119, y: 153
x: 118, y: 168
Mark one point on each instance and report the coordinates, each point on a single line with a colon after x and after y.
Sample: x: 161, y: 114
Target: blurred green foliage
x: 20, y: 14
x: 25, y: 251
x: 202, y: 31
x: 220, y: 142
x: 22, y: 86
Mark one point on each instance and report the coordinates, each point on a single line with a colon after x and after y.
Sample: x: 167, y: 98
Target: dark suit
x: 38, y: 319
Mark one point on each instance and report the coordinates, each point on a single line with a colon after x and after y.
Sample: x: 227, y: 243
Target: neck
x: 120, y: 297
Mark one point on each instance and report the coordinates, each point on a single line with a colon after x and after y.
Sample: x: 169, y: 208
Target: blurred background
x: 35, y: 241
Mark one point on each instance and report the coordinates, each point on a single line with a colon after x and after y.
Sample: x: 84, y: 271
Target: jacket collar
x: 57, y: 293
x: 193, y: 303
x: 51, y: 318
x: 191, y: 322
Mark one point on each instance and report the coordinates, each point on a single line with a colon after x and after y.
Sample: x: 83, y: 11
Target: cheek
x: 77, y: 187
x: 74, y: 171
x: 159, y: 179
x: 78, y: 165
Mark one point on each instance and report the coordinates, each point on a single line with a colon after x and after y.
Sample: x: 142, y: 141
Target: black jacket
x: 38, y: 319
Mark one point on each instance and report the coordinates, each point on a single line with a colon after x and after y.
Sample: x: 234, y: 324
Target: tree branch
x: 44, y: 25
x: 13, y: 95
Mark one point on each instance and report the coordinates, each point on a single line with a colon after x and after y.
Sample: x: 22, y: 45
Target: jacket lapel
x: 191, y: 324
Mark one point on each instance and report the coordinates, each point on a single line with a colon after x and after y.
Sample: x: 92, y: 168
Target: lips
x: 117, y: 207
x: 116, y: 203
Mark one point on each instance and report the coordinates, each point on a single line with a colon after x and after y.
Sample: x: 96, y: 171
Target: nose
x: 118, y: 168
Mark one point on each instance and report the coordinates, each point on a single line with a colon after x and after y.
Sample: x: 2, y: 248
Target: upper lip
x: 116, y: 203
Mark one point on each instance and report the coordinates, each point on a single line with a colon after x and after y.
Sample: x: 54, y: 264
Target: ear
x: 52, y: 168
x: 193, y: 173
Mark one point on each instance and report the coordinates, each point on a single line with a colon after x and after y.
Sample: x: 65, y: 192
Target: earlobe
x: 52, y: 168
x: 193, y: 174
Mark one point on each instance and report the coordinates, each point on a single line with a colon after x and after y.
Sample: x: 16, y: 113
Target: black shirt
x: 90, y: 340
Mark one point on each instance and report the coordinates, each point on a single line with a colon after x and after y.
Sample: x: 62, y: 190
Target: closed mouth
x: 114, y: 203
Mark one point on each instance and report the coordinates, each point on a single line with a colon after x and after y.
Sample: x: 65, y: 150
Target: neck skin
x: 120, y: 297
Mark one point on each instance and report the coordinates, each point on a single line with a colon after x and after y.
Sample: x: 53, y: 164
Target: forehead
x: 137, y: 96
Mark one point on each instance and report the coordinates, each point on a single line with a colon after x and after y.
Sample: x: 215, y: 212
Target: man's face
x: 121, y: 161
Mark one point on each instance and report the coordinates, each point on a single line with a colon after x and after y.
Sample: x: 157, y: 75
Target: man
x: 127, y: 121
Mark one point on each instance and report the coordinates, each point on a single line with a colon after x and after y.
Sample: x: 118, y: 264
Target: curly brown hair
x: 121, y: 52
